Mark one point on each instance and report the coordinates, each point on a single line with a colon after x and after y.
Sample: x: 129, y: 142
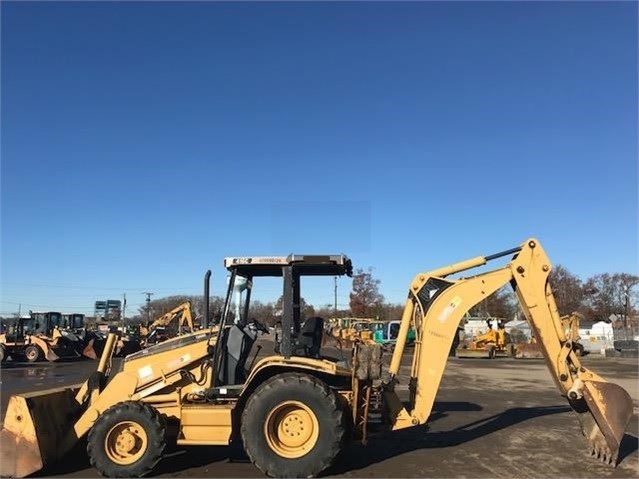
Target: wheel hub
x: 125, y: 443
x: 291, y: 429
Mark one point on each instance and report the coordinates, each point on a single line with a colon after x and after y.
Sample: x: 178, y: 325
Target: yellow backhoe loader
x: 293, y: 411
x: 163, y: 328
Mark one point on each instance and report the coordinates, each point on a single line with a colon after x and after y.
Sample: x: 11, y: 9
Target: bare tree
x: 306, y: 310
x: 567, y: 289
x: 609, y: 294
x: 391, y: 311
x: 365, y: 298
x: 500, y: 304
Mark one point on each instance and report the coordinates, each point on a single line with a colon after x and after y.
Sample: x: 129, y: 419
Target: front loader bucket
x: 50, y: 355
x: 89, y: 350
x: 94, y: 346
x: 66, y: 348
x: 611, y: 409
x: 35, y: 430
x: 127, y: 346
x: 471, y: 353
x: 528, y: 351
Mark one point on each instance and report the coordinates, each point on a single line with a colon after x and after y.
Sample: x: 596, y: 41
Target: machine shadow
x: 176, y: 459
x: 629, y: 445
x: 379, y: 448
x: 76, y: 460
x: 442, y: 408
x: 191, y: 457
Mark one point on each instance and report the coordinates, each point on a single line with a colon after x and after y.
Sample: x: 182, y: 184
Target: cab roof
x: 308, y: 265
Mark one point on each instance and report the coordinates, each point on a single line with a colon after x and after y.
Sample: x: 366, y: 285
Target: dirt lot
x: 492, y: 419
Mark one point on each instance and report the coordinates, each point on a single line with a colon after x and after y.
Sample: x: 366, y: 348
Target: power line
x: 70, y: 286
x: 148, y: 306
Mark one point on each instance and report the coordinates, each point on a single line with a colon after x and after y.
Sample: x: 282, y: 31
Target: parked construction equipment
x: 362, y: 330
x: 90, y: 343
x: 570, y: 323
x: 173, y: 323
x: 386, y: 332
x: 40, y: 335
x: 492, y: 343
x: 294, y: 411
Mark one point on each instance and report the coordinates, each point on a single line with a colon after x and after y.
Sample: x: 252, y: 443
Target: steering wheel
x: 259, y: 326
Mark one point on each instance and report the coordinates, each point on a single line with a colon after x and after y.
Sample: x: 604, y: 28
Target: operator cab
x: 239, y: 331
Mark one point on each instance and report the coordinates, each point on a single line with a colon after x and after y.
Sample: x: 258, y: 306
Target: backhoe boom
x: 435, y: 306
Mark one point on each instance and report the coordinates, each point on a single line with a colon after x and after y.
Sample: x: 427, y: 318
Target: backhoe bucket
x: 34, y: 430
x: 611, y: 409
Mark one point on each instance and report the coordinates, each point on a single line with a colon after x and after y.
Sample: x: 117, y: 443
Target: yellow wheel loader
x: 489, y: 345
x: 293, y: 411
x: 39, y: 336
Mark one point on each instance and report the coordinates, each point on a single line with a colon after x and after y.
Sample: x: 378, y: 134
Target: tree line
x: 601, y: 297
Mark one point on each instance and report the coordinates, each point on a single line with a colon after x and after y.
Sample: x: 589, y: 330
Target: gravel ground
x: 499, y: 418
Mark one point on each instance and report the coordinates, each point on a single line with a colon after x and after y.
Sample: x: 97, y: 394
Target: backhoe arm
x: 183, y: 311
x: 435, y: 306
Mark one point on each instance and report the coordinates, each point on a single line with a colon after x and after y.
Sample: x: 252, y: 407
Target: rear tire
x: 32, y: 353
x: 127, y: 440
x: 293, y: 426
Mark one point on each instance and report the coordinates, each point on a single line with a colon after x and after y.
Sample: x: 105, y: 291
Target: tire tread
x: 157, y: 440
x: 335, y: 422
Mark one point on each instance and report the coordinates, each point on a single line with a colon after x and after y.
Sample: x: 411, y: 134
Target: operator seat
x: 238, y: 341
x: 309, y: 341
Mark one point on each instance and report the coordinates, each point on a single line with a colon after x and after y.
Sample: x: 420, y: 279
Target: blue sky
x: 143, y: 142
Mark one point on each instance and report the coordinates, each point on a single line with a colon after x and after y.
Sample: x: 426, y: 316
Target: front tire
x: 127, y: 440
x: 292, y: 426
x: 32, y: 353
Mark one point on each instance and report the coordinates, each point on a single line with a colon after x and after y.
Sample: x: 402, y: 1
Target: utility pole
x: 626, y: 290
x: 335, y: 307
x: 124, y: 308
x: 148, y: 308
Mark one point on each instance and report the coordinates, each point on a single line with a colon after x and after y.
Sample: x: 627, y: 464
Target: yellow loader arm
x: 435, y: 306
